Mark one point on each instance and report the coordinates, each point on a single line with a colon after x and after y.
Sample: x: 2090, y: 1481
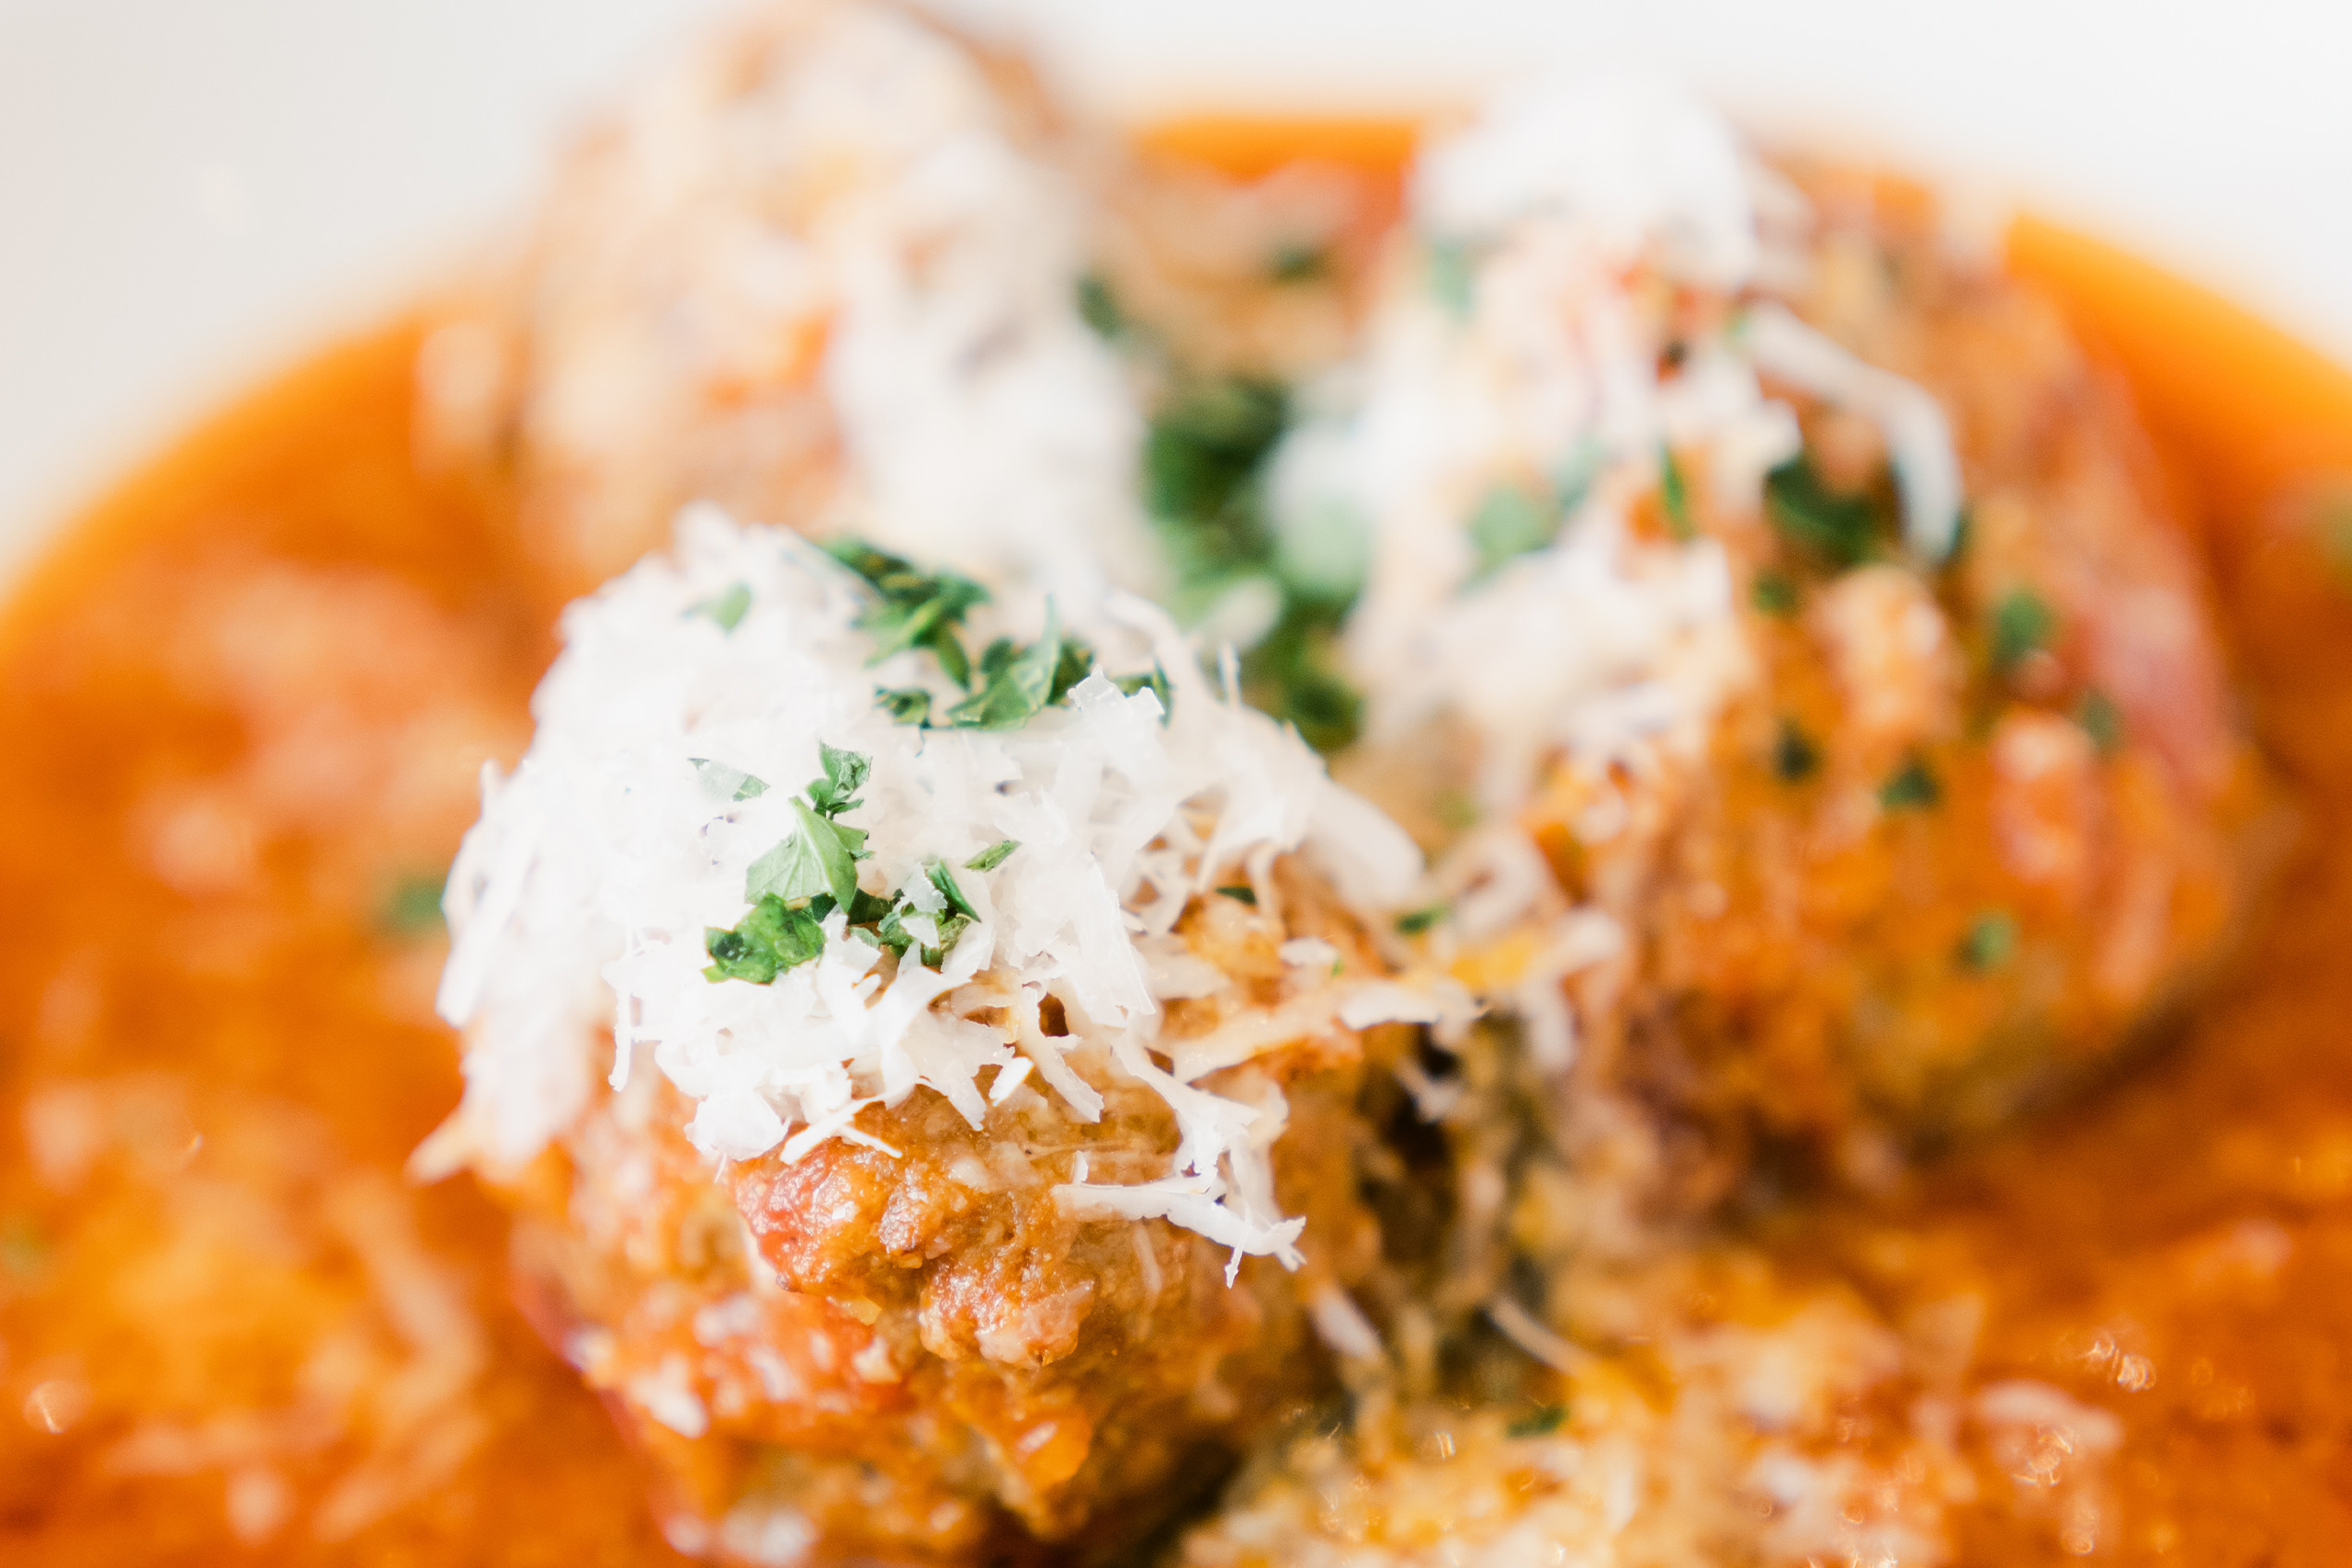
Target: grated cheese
x: 1515, y: 403
x: 578, y: 903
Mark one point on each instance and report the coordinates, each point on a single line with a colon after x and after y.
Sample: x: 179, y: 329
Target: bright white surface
x: 192, y: 189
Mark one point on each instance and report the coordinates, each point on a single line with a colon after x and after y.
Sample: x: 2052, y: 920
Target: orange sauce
x: 229, y: 1330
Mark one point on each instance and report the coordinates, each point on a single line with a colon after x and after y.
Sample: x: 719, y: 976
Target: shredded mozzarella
x: 582, y: 896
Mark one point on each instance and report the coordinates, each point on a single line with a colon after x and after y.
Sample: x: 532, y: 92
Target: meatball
x: 982, y: 1151
x: 823, y: 269
x: 1778, y: 632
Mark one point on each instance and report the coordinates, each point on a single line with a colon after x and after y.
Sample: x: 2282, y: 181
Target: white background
x: 192, y: 190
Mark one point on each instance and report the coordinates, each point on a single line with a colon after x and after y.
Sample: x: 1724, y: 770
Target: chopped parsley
x: 916, y: 609
x: 845, y: 776
x: 1914, y: 787
x: 905, y: 704
x: 817, y: 861
x: 813, y: 872
x: 1837, y: 530
x: 1299, y: 262
x: 1419, y: 920
x: 1795, y: 758
x: 2101, y: 720
x: 1155, y: 682
x: 1098, y: 307
x: 2023, y: 624
x: 727, y: 608
x: 773, y: 938
x: 1991, y: 942
x: 1774, y: 593
x: 1241, y: 892
x: 1508, y: 524
x: 1017, y: 682
x: 1203, y: 465
x: 1540, y: 1421
x: 819, y: 858
x: 1451, y: 271
x: 732, y: 782
x: 411, y: 906
x: 995, y: 855
x: 1011, y: 683
x: 1674, y: 496
x: 1456, y: 809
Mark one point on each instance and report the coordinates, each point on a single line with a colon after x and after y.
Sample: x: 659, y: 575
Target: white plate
x: 192, y: 190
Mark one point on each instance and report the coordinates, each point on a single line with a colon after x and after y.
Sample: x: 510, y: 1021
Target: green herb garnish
x: 845, y: 776
x: 1241, y: 892
x: 1540, y: 1421
x: 773, y: 938
x: 1016, y: 682
x: 1203, y: 465
x: 1794, y: 755
x: 1774, y: 593
x: 2023, y: 624
x: 1510, y: 522
x: 917, y: 609
x: 1098, y: 307
x: 1457, y: 809
x: 1419, y: 920
x: 1838, y: 530
x: 1913, y: 786
x: 995, y: 855
x: 905, y: 704
x: 412, y: 906
x: 2102, y: 721
x: 726, y: 608
x: 1674, y: 496
x: 1299, y: 263
x: 1452, y: 270
x: 732, y: 782
x: 1155, y: 682
x: 1991, y: 942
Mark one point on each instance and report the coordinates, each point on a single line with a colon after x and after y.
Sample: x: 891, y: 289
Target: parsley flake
x: 411, y: 906
x: 1098, y: 307
x: 1841, y: 530
x: 773, y: 938
x: 1510, y: 522
x: 1452, y: 270
x: 1015, y: 682
x: 905, y: 704
x: 1913, y: 785
x: 1155, y: 682
x: 727, y: 608
x: 1419, y: 920
x: 916, y: 609
x: 2023, y: 624
x: 2102, y: 721
x: 1674, y: 496
x: 1991, y: 942
x: 845, y: 776
x: 995, y: 855
x: 1774, y: 593
x: 1540, y: 1421
x: 1241, y: 892
x: 1299, y: 263
x: 1794, y: 756
x: 732, y: 782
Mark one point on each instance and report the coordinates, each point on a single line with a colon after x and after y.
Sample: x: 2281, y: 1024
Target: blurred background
x: 193, y: 191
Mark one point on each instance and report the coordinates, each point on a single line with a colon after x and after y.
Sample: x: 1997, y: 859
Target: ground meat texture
x: 1977, y: 826
x: 656, y: 332
x: 922, y: 1350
